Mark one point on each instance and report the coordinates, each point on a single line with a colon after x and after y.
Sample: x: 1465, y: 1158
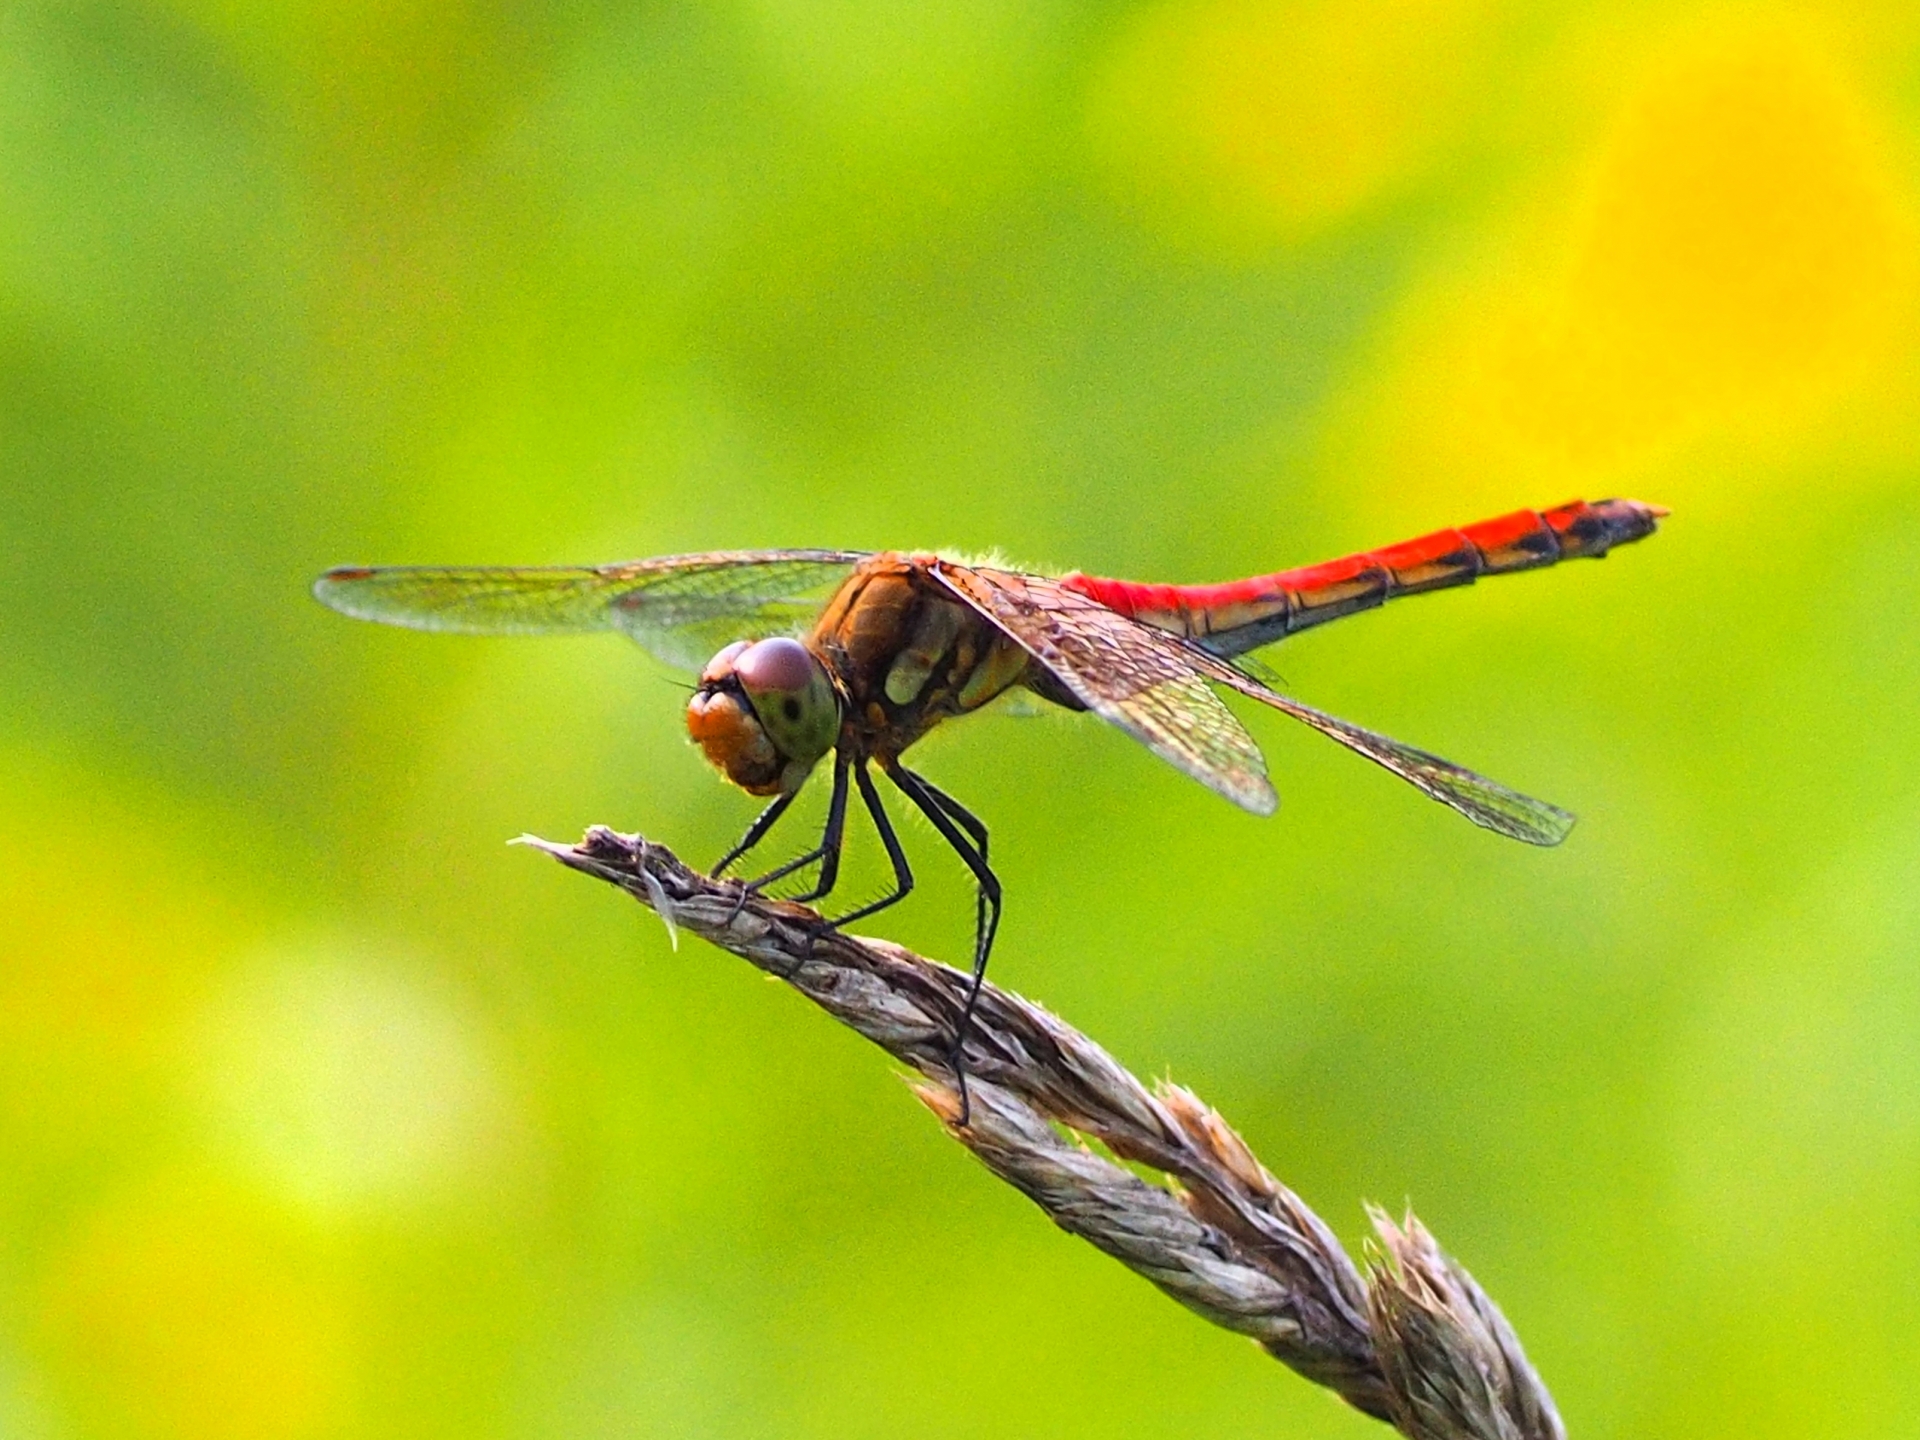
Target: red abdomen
x: 1241, y: 615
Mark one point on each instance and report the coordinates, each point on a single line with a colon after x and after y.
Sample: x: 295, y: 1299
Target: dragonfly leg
x: 960, y: 835
x: 756, y: 832
x: 974, y: 827
x: 827, y: 852
x: 902, y: 872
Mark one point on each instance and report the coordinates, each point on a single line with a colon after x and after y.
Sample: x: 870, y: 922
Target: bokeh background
x: 324, y: 1113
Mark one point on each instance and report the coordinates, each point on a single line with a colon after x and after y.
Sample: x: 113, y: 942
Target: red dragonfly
x: 902, y: 641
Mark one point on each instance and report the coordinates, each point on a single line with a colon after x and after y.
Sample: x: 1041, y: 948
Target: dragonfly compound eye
x: 764, y: 713
x: 790, y: 693
x: 721, y: 665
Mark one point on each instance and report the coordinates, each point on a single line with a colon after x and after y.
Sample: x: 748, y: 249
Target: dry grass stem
x: 1412, y: 1341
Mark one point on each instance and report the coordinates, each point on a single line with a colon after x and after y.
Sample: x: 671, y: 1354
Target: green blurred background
x: 324, y: 1113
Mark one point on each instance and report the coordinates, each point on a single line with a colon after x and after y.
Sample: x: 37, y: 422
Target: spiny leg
x: 975, y: 827
x: 966, y: 819
x: 958, y: 835
x: 902, y: 872
x: 756, y: 832
x: 827, y: 852
x: 762, y: 823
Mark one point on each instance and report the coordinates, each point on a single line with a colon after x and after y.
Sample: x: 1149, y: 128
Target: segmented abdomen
x: 1242, y: 615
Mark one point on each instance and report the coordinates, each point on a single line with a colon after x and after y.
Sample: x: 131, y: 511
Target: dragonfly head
x: 764, y: 713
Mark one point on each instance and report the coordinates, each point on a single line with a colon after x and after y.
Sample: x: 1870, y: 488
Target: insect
x: 804, y: 654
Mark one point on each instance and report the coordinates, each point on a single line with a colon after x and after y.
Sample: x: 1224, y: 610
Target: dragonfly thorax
x: 764, y: 713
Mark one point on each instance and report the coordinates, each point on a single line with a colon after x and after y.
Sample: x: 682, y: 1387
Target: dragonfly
x: 802, y: 654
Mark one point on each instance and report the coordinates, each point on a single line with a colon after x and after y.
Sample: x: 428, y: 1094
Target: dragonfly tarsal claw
x: 816, y: 930
x: 956, y: 1062
x: 743, y: 892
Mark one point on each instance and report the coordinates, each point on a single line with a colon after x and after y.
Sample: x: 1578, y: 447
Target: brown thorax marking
x: 906, y: 654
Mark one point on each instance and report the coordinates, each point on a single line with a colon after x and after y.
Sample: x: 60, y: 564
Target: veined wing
x: 1113, y: 664
x: 679, y: 607
x: 1487, y: 803
x: 1121, y: 671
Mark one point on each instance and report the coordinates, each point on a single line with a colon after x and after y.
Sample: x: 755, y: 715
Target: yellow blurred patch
x: 1736, y: 253
x: 109, y: 933
x: 186, y: 1314
x: 1740, y: 226
x: 1742, y: 248
x: 333, y: 1074
x: 1247, y: 123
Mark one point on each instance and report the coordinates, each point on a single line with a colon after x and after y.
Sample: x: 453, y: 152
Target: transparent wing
x: 1114, y: 664
x: 679, y: 607
x: 1487, y: 803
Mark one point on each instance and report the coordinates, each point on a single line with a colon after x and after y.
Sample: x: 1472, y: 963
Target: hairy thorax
x: 908, y: 654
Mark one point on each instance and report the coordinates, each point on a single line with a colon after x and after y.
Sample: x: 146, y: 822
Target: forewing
x: 1121, y: 672
x: 701, y: 602
x: 680, y: 607
x: 1103, y: 657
